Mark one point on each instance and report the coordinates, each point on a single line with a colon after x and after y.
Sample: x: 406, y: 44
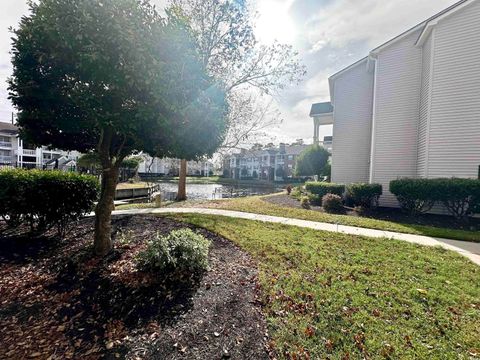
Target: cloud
x: 330, y: 35
x: 373, y: 21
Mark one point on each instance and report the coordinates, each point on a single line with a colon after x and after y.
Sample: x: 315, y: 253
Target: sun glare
x: 274, y: 22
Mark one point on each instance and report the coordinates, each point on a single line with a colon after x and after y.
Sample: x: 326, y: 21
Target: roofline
x: 333, y: 77
x: 433, y: 21
x: 319, y: 115
x: 390, y: 42
x: 423, y: 24
x: 338, y: 73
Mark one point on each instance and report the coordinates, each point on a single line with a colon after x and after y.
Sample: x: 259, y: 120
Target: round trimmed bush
x: 305, y: 203
x: 180, y: 251
x: 332, y: 203
x: 415, y: 196
x: 364, y: 195
x: 461, y: 197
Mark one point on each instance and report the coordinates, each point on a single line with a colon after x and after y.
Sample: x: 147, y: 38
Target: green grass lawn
x: 257, y: 205
x: 337, y: 296
x: 141, y: 205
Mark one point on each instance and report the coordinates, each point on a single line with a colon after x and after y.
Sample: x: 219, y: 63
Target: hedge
x: 364, y: 195
x: 414, y: 195
x: 45, y: 199
x: 461, y: 197
x: 323, y: 188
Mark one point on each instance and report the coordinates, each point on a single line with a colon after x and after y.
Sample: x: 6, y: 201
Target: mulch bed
x: 57, y: 301
x: 388, y: 214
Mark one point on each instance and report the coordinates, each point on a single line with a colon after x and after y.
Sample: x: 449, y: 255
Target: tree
x: 106, y: 77
x: 92, y: 161
x: 228, y: 48
x: 312, y: 161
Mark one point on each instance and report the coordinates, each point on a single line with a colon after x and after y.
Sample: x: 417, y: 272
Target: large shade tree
x: 312, y: 161
x: 112, y: 77
x: 224, y: 33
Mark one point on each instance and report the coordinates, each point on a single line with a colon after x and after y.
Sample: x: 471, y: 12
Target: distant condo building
x: 15, y: 152
x: 271, y: 164
x: 169, y: 167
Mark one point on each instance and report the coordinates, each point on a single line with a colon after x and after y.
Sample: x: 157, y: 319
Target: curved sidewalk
x: 467, y: 249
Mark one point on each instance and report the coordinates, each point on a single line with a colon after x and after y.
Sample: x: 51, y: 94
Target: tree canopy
x: 224, y: 33
x: 115, y: 78
x: 312, y: 161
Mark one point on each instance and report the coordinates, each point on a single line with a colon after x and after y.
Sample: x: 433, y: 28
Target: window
x: 290, y: 157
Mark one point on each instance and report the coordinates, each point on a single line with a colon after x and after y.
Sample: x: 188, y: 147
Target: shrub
x: 180, y: 251
x: 45, y: 199
x: 315, y: 199
x: 305, y: 203
x: 323, y: 188
x: 297, y: 193
x: 461, y: 197
x: 364, y: 195
x: 414, y: 195
x: 332, y: 203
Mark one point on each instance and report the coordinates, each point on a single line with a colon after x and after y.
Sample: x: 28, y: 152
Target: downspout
x: 374, y: 105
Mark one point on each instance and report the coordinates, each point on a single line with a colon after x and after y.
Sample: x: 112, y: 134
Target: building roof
x: 431, y: 22
x: 422, y: 25
x: 8, y: 128
x: 321, y: 108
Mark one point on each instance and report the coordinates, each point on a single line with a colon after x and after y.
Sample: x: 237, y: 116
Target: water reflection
x: 211, y: 191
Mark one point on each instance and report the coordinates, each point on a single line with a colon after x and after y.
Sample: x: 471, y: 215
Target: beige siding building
x: 411, y: 108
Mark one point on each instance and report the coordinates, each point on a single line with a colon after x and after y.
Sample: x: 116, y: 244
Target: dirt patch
x: 58, y: 302
x: 388, y: 214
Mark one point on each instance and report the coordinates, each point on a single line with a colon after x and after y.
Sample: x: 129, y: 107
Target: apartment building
x: 170, y: 167
x: 16, y: 152
x: 411, y: 108
x: 271, y: 164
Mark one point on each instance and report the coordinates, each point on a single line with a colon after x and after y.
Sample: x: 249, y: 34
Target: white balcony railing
x: 5, y: 159
x: 5, y: 144
x: 29, y: 152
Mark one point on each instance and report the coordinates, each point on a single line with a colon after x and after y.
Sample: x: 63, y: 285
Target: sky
x: 328, y: 34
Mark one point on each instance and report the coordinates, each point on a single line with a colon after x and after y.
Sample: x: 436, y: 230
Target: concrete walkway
x: 467, y: 249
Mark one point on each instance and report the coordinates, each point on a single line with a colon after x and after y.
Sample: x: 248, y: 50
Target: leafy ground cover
x: 339, y: 296
x: 58, y: 302
x: 262, y: 205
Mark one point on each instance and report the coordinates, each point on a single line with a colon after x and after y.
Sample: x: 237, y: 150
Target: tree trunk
x: 182, y: 181
x: 103, y: 212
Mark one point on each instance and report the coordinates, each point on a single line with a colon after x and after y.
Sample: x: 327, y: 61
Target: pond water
x: 211, y: 191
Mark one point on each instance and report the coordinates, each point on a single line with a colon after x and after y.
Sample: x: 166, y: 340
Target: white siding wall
x: 352, y: 125
x: 454, y: 146
x: 396, y: 114
x: 425, y: 97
